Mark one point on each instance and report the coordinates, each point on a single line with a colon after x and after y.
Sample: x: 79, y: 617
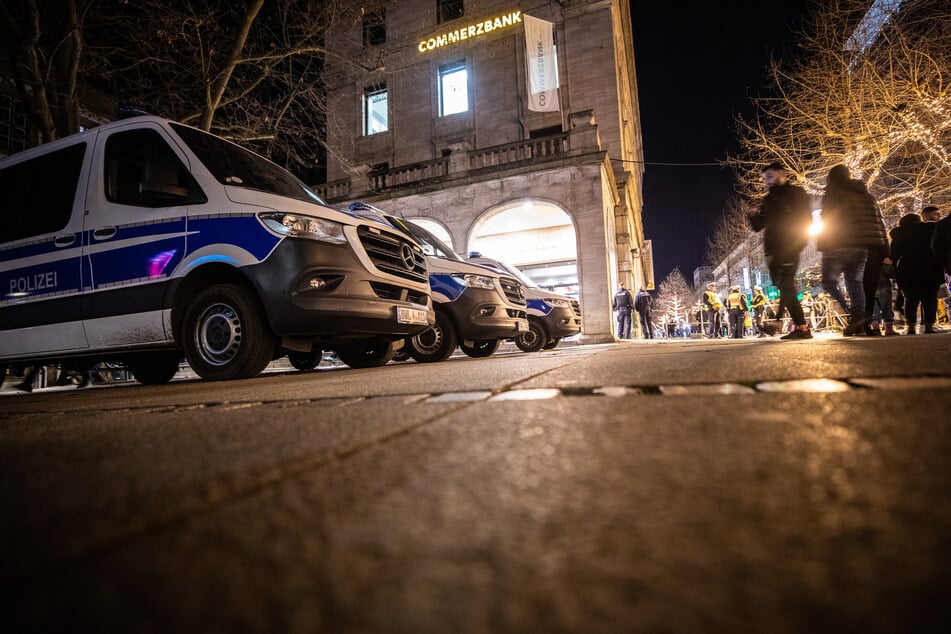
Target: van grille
x: 576, y: 307
x: 398, y: 293
x: 394, y: 255
x: 513, y: 290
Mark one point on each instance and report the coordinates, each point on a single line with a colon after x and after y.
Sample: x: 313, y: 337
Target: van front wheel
x: 481, y: 348
x: 225, y: 334
x: 532, y: 339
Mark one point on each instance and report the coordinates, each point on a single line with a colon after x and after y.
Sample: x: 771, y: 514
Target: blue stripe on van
x: 27, y: 283
x: 446, y: 285
x: 539, y: 305
x: 241, y: 230
x: 136, y: 253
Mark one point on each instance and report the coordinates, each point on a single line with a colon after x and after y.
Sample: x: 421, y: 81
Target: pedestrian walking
x: 758, y: 306
x: 784, y: 217
x: 736, y: 306
x: 711, y: 310
x: 883, y: 316
x: 643, y: 304
x: 941, y: 241
x: 623, y: 303
x: 852, y: 228
x: 918, y: 271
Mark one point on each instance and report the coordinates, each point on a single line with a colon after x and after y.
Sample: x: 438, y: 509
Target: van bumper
x: 562, y: 322
x: 481, y: 314
x: 322, y: 291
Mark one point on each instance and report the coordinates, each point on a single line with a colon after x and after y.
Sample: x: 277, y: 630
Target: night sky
x: 696, y: 70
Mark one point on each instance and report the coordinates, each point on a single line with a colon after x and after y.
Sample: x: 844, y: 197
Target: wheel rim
x: 530, y: 337
x: 218, y: 334
x: 429, y: 341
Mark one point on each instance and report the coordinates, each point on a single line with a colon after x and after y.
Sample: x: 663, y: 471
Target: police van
x: 476, y: 307
x: 144, y: 240
x: 551, y: 316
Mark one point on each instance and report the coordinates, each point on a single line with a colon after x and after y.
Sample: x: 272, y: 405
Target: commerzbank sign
x: 470, y: 32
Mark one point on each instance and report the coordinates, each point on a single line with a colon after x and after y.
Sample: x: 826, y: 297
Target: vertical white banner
x: 542, y: 70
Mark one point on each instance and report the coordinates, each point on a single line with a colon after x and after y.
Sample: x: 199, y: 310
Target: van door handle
x: 65, y: 241
x: 104, y: 234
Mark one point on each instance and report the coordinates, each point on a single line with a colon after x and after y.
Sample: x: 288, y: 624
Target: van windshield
x: 233, y: 165
x: 430, y: 243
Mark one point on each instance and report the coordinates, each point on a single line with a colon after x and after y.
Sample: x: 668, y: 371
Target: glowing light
x: 817, y: 225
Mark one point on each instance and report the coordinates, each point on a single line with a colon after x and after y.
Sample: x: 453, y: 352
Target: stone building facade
x: 429, y: 118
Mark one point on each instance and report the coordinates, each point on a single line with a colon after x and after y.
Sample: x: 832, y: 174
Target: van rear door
x: 40, y: 248
x: 138, y: 203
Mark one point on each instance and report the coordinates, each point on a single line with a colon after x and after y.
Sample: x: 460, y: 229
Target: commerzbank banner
x: 542, y: 71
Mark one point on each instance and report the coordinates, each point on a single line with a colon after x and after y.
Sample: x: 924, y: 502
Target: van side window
x: 143, y: 171
x: 37, y: 194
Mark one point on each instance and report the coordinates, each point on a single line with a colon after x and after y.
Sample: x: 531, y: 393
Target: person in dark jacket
x: 643, y: 303
x: 853, y: 244
x: 918, y: 272
x: 623, y: 303
x: 784, y: 216
x: 941, y: 241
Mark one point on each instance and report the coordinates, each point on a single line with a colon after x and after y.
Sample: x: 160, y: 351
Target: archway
x: 537, y: 236
x: 435, y: 228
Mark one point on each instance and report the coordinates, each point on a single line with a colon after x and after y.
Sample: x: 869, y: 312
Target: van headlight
x: 475, y: 281
x: 557, y: 303
x: 296, y: 226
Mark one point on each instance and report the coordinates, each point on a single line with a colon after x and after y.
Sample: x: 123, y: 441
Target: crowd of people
x: 885, y: 275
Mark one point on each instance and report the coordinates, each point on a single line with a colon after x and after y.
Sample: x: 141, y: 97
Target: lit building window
x: 375, y: 115
x: 453, y: 89
x: 374, y: 27
x: 447, y: 10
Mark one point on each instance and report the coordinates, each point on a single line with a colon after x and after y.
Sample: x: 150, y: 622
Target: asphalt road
x: 683, y: 486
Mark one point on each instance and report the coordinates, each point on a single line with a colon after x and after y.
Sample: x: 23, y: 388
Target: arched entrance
x: 537, y: 236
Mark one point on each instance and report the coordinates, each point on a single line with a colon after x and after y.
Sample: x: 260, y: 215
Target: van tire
x: 482, y: 348
x: 533, y: 339
x: 225, y: 334
x: 371, y: 353
x: 551, y: 343
x: 436, y: 343
x: 154, y: 368
x: 305, y: 361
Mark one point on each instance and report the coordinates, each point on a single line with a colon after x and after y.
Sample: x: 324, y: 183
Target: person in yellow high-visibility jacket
x: 736, y: 306
x: 711, y: 310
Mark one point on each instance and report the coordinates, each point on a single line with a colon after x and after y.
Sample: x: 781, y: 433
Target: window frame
x: 374, y: 26
x: 368, y: 93
x: 449, y: 10
x: 444, y: 71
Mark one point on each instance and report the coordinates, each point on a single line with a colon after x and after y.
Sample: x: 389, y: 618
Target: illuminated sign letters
x: 471, y: 31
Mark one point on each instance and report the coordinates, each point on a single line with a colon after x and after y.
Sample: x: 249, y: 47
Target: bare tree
x: 731, y: 231
x: 875, y: 99
x: 674, y: 298
x: 40, y: 56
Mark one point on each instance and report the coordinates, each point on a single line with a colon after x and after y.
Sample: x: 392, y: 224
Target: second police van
x: 144, y: 240
x: 476, y: 307
x: 551, y: 316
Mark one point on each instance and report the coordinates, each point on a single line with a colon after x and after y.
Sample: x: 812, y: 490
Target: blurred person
x: 918, y: 271
x: 883, y: 316
x: 852, y: 228
x: 808, y: 306
x: 643, y: 304
x: 623, y: 303
x: 711, y: 310
x: 758, y: 306
x: 941, y: 240
x: 736, y: 306
x: 784, y: 217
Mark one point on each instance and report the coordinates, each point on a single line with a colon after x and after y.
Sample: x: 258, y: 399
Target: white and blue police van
x: 476, y: 307
x: 551, y: 316
x: 144, y: 240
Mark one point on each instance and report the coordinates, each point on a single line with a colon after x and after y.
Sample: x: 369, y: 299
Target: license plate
x: 411, y: 316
